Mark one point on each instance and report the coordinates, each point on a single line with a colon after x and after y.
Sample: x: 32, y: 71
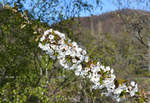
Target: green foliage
x: 29, y: 76
x: 20, y: 63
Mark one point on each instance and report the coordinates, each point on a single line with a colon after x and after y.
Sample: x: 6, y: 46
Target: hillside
x: 118, y: 39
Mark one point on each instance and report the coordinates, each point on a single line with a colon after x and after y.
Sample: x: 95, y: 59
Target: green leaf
x: 101, y: 80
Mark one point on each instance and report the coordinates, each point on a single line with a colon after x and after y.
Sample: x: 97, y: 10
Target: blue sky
x: 106, y: 6
x: 112, y: 5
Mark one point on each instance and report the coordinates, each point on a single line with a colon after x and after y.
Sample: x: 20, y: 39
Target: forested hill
x: 114, y: 22
x: 118, y: 38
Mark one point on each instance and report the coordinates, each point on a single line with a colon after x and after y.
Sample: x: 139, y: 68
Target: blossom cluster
x: 72, y: 57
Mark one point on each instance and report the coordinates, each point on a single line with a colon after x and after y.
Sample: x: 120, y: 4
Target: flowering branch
x: 72, y: 57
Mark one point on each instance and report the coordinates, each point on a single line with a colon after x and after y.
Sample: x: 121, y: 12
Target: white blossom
x: 72, y: 57
x: 132, y: 83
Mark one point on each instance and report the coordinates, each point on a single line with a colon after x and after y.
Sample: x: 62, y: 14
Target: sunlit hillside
x: 118, y: 39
